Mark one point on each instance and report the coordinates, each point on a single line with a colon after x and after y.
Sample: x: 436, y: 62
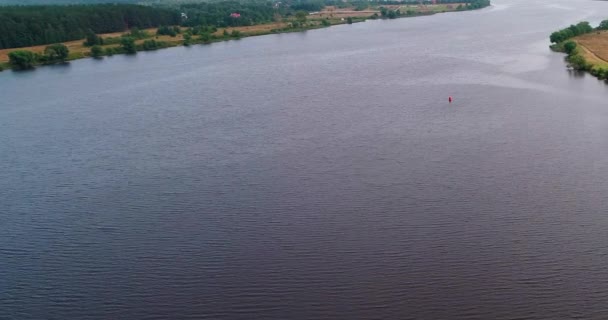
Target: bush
x: 96, y: 51
x: 187, y: 39
x: 150, y: 45
x: 166, y: 31
x: 205, y: 37
x: 349, y: 20
x: 23, y: 59
x: 135, y: 33
x: 235, y: 34
x: 128, y: 45
x: 577, y: 62
x: 325, y: 22
x: 569, y: 47
x: 93, y: 39
x: 56, y: 52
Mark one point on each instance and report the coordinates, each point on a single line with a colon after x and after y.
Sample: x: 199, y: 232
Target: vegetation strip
x: 576, y: 41
x: 79, y: 31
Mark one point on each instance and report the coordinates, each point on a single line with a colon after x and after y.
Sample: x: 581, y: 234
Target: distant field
x: 595, y: 46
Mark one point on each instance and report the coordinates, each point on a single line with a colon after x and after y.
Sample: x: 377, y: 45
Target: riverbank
x: 587, y: 51
x: 329, y: 16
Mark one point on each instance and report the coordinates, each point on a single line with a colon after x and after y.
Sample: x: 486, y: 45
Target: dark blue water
x: 315, y: 175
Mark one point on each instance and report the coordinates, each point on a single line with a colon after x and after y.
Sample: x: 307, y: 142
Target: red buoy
x: 450, y: 99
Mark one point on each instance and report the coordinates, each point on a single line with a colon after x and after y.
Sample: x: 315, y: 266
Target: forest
x: 22, y: 26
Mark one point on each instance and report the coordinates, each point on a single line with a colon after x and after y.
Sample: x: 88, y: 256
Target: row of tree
x: 24, y: 59
x: 23, y: 26
x: 571, y: 32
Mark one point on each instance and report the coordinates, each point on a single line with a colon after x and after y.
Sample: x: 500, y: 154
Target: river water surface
x: 314, y: 175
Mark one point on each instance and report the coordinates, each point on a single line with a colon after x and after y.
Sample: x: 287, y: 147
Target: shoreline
x: 586, y: 52
x: 79, y: 51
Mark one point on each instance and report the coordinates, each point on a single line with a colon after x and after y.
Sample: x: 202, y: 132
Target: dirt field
x: 595, y: 46
x: 333, y: 12
x: 260, y: 28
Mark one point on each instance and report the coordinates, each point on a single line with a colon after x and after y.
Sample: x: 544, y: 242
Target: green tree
x: 236, y: 34
x: 603, y: 25
x: 57, y: 52
x: 205, y: 37
x: 569, y: 47
x: 577, y: 62
x: 96, y: 51
x: 301, y: 16
x: 167, y: 31
x: 349, y: 20
x: 383, y: 12
x: 128, y: 45
x: 22, y: 59
x: 93, y: 39
x: 188, y: 39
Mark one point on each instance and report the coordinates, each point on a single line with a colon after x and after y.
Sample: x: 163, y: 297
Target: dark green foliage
x: 252, y: 12
x: 167, y: 31
x: 577, y: 62
x: 325, y: 23
x: 477, y: 4
x: 570, y: 32
x: 110, y: 51
x: 153, y: 45
x: 150, y: 45
x: 301, y: 16
x: 128, y: 45
x: 22, y: 26
x: 93, y: 39
x: 136, y: 33
x: 383, y: 12
x: 569, y: 47
x: 205, y: 37
x: 56, y: 52
x: 188, y: 39
x: 235, y: 34
x: 349, y: 20
x: 307, y: 5
x: 22, y: 59
x: 226, y: 34
x: 96, y: 51
x: 603, y: 25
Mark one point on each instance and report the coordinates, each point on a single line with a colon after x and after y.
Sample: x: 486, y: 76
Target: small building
x: 235, y: 15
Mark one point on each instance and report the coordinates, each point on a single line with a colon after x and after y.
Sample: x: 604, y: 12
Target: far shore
x: 328, y: 17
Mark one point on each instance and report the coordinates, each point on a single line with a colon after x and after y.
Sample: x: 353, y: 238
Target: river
x: 313, y: 175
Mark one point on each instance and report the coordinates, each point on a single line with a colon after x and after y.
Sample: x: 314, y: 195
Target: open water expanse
x: 313, y: 175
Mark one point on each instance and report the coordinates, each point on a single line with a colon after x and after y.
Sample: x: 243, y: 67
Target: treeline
x: 23, y: 59
x: 571, y: 32
x: 219, y: 14
x: 23, y: 26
